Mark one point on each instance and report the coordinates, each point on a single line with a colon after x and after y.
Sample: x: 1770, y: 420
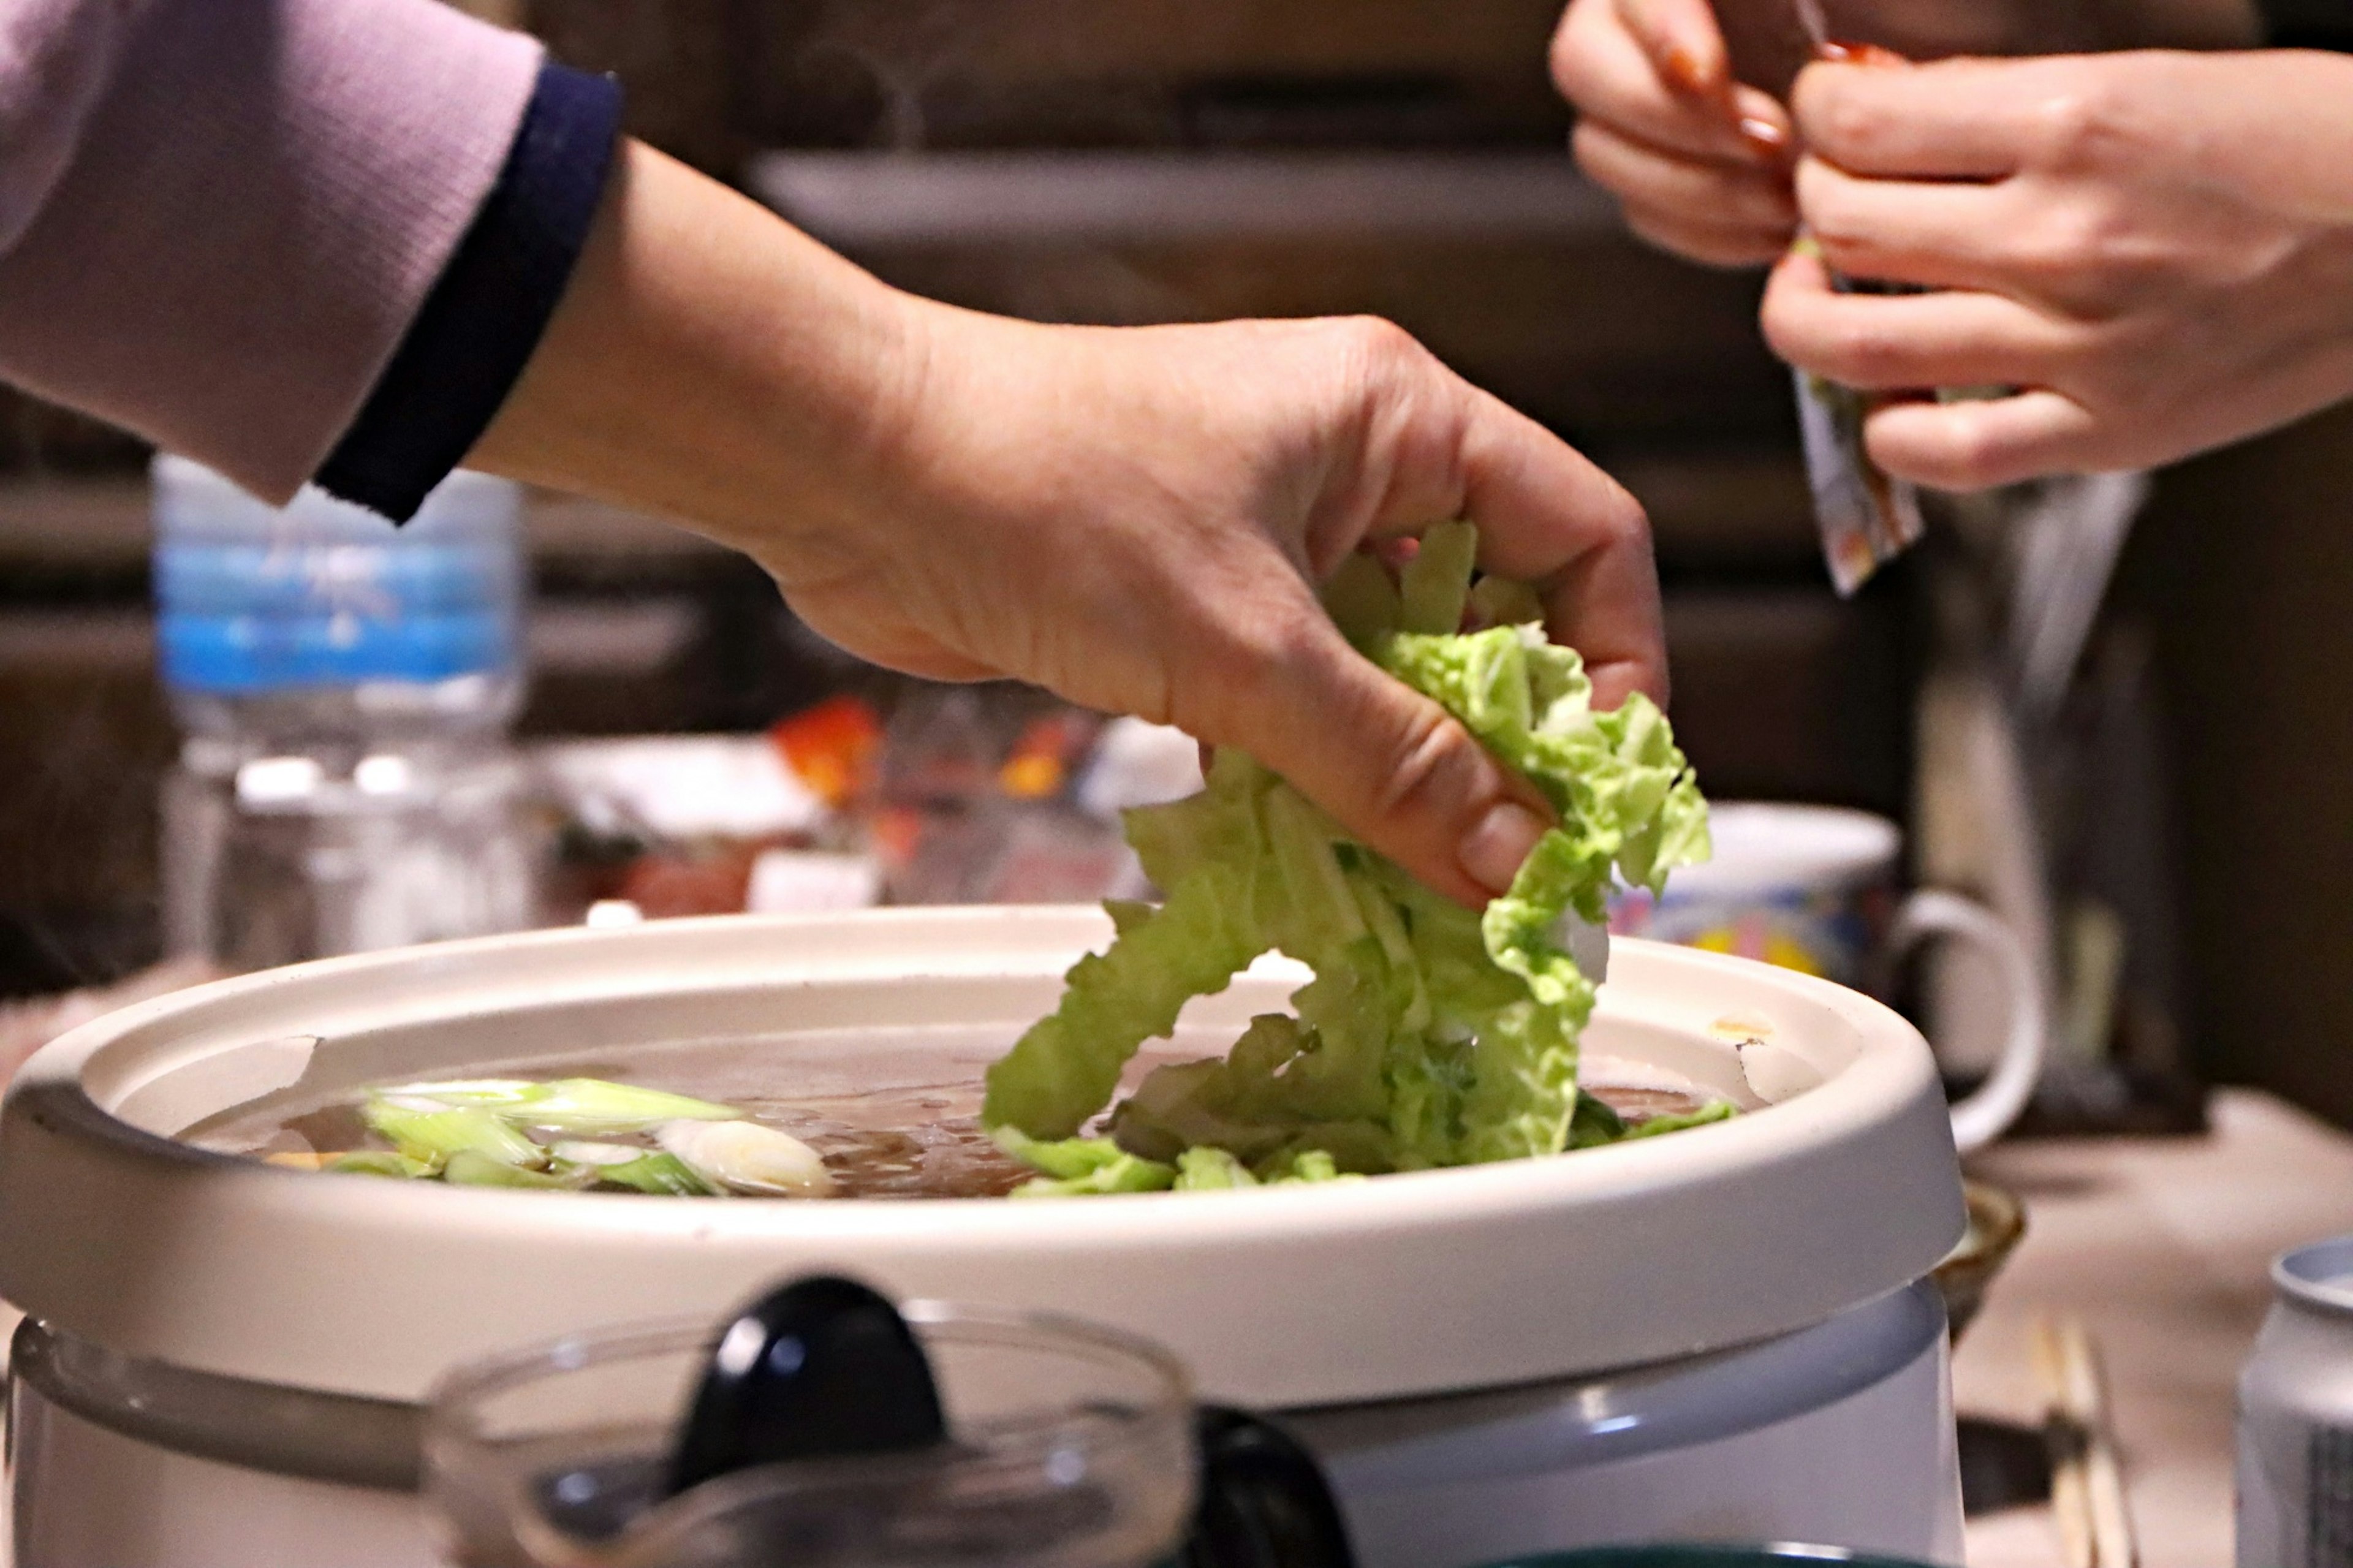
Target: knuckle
x: 1384, y: 355
x: 1845, y: 122
x: 1792, y: 326
x: 1432, y: 767
x: 2072, y: 120
x: 1831, y: 213
x: 1249, y: 640
x: 1971, y: 457
x: 1377, y: 340
x: 2072, y: 237
x: 1861, y: 350
x: 1619, y: 519
x: 1229, y: 668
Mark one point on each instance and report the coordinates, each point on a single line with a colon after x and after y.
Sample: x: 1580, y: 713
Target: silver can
x: 2296, y: 1418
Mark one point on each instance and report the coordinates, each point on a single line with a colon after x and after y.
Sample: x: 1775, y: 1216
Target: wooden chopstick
x: 2088, y: 1489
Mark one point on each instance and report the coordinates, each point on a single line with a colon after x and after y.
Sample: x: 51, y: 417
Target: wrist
x: 710, y: 363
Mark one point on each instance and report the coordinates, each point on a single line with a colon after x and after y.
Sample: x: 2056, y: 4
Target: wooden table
x: 2162, y: 1245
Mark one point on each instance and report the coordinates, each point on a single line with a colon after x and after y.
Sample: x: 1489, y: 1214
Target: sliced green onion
x: 472, y: 1168
x: 590, y: 1105
x: 438, y: 1134
x: 582, y: 1152
x: 746, y: 1157
x: 665, y: 1176
x: 646, y: 1170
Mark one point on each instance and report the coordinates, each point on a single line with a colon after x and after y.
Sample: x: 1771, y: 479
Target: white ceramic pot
x: 195, y: 1314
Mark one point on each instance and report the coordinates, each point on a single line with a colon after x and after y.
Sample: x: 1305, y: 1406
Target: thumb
x: 1393, y: 766
x: 1683, y: 42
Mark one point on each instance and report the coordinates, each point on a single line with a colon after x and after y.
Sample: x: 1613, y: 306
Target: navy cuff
x: 485, y: 316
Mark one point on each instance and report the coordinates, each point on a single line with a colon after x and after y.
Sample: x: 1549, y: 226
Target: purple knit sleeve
x: 218, y: 216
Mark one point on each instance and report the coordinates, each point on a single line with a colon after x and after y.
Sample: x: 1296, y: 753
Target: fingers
x: 1550, y: 518
x: 1386, y: 761
x: 1733, y: 198
x: 1966, y: 120
x: 1884, y: 343
x: 1703, y: 243
x: 1893, y: 342
x: 1602, y: 68
x: 1547, y: 516
x: 1699, y: 162
x: 1977, y: 445
x: 1681, y: 37
x: 1942, y: 233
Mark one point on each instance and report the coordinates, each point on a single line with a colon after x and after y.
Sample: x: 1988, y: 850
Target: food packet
x: 1867, y: 517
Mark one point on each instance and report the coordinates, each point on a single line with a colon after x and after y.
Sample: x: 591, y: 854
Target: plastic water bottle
x: 344, y: 690
x: 320, y: 624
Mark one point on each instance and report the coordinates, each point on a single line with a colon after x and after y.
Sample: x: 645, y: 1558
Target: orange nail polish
x: 1839, y: 54
x: 1764, y: 136
x: 1682, y: 69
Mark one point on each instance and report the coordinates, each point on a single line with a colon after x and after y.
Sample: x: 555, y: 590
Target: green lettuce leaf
x: 1714, y: 1110
x: 1431, y: 1035
x: 1208, y: 1169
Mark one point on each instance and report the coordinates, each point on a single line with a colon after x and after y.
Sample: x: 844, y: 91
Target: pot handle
x: 1264, y: 1502
x: 1985, y: 1114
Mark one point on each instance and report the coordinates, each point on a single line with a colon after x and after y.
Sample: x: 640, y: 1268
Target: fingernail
x: 1682, y: 69
x: 1763, y: 135
x: 1492, y: 852
x: 1839, y: 54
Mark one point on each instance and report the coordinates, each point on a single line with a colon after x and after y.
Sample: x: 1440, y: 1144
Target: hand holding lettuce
x: 1432, y: 1034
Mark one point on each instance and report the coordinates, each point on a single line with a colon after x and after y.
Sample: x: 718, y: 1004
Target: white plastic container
x: 1720, y: 1332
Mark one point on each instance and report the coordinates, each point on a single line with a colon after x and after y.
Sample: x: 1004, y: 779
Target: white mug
x: 1814, y: 889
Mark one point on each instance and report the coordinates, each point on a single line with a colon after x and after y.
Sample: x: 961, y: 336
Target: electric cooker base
x: 1840, y: 1434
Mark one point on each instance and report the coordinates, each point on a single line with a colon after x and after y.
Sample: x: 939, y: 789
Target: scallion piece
x: 746, y: 1157
x: 665, y: 1176
x: 472, y: 1168
x: 439, y: 1134
x: 590, y: 1106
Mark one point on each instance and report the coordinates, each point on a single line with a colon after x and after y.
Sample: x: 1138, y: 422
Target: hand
x: 2155, y: 249
x: 1700, y: 163
x: 1131, y: 518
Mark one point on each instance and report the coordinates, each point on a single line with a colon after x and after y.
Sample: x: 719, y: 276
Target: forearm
x: 712, y: 364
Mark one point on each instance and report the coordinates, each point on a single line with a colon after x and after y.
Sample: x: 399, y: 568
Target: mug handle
x: 1984, y: 1115
x: 1265, y: 1501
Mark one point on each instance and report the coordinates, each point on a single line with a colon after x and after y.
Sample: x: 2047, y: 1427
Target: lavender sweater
x: 219, y: 217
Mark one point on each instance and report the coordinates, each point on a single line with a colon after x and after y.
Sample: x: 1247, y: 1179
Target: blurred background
x: 2117, y: 716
